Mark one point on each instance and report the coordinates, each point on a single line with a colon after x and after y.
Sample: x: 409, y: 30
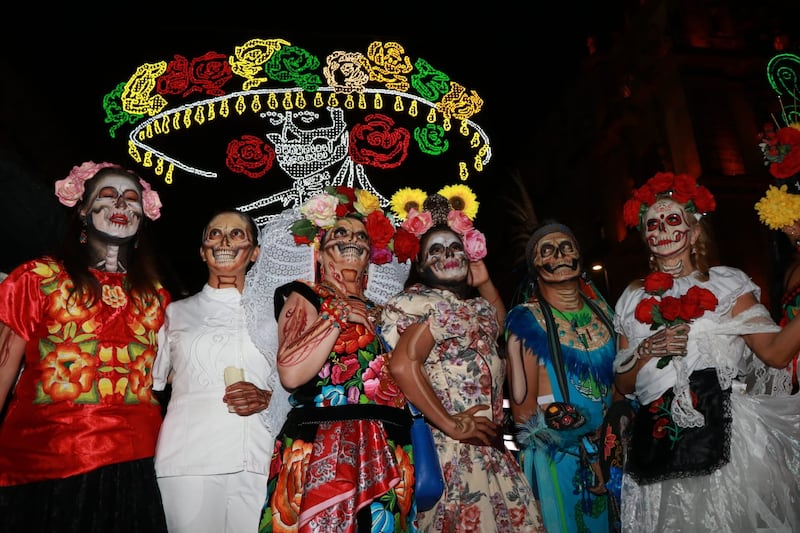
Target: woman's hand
x: 469, y: 427
x: 245, y: 398
x: 359, y: 314
x: 665, y: 342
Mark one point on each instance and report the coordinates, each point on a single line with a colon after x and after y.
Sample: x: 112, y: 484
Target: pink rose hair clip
x: 70, y: 189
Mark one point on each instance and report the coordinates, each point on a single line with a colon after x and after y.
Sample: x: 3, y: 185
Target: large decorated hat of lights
x: 294, y: 121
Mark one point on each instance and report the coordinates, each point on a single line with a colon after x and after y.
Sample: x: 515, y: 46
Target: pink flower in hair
x: 458, y: 221
x: 151, y: 202
x: 474, y: 244
x: 417, y: 222
x: 70, y: 189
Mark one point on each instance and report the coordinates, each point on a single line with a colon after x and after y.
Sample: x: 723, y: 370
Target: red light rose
x: 379, y: 142
x: 249, y: 155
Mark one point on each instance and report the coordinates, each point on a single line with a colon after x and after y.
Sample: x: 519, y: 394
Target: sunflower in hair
x: 461, y: 198
x: 406, y: 199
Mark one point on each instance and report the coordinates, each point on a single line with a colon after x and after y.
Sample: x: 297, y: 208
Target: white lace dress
x: 757, y: 490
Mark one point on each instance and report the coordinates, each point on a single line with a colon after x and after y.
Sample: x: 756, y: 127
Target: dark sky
x: 55, y: 79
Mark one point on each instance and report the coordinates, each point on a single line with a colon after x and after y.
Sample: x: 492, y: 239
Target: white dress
x: 757, y: 490
x: 202, y: 335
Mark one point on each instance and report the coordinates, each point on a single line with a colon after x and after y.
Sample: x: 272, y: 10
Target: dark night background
x: 55, y: 77
x: 582, y: 101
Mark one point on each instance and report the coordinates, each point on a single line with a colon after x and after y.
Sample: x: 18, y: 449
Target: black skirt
x: 118, y: 498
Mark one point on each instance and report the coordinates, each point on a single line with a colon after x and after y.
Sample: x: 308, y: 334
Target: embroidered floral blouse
x: 83, y: 399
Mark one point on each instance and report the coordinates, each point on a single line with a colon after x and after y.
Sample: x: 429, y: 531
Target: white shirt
x: 202, y: 335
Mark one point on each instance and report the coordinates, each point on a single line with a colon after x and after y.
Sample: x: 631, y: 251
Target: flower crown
x: 320, y: 213
x: 70, y: 189
x: 681, y: 188
x: 454, y: 205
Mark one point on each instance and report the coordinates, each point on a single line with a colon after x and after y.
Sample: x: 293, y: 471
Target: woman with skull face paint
x: 697, y: 457
x: 214, y: 448
x: 77, y: 442
x: 446, y: 361
x: 342, y: 460
x: 561, y: 346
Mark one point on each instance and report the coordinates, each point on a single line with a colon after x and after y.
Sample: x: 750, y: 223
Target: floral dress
x: 342, y: 461
x: 485, y: 489
x: 83, y: 399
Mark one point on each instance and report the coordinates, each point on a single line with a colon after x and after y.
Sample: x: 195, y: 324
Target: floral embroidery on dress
x: 114, y: 296
x: 76, y: 365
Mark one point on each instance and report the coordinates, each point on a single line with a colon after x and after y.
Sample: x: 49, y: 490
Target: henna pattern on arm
x: 301, y: 342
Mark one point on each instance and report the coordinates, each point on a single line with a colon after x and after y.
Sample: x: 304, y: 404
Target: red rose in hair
x: 645, y: 194
x: 658, y: 283
x: 630, y: 212
x: 379, y: 229
x: 704, y: 201
x: 683, y: 188
x: 661, y: 182
x: 406, y: 245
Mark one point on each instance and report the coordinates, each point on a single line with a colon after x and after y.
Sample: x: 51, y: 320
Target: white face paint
x: 557, y: 258
x: 115, y: 209
x: 667, y: 228
x: 444, y: 259
x: 228, y: 244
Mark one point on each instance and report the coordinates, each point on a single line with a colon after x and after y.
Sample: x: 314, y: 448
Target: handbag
x: 428, y: 478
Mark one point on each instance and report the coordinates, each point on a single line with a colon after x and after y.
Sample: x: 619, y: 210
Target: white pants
x: 223, y: 503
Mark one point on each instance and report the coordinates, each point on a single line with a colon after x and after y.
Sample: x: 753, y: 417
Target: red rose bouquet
x: 658, y: 310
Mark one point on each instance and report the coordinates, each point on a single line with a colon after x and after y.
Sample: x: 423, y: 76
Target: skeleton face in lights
x: 667, y: 228
x: 557, y: 258
x: 443, y: 261
x: 114, y: 208
x: 228, y: 244
x: 347, y: 245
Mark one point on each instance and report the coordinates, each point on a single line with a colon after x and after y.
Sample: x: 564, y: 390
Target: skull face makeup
x: 114, y: 208
x: 443, y: 262
x: 228, y: 244
x: 667, y: 228
x: 557, y: 258
x: 344, y: 254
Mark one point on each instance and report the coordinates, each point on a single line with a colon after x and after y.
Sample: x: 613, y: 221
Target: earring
x: 694, y: 250
x: 82, y: 238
